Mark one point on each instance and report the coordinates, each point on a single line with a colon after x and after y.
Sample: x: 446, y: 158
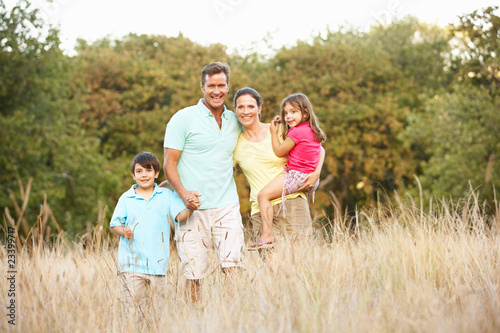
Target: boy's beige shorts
x: 138, y: 288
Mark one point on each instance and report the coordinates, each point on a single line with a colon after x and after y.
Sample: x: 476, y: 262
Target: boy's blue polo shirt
x: 148, y: 251
x: 206, y: 162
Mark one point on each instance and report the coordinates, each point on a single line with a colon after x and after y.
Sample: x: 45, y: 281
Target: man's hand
x: 190, y: 199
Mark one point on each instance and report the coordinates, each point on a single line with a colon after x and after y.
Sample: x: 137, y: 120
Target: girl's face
x: 247, y: 110
x: 293, y: 116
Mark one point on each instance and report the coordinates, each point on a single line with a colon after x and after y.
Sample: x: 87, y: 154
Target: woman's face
x: 247, y: 110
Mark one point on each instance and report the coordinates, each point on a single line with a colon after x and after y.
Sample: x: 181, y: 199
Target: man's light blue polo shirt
x: 148, y: 251
x: 206, y: 162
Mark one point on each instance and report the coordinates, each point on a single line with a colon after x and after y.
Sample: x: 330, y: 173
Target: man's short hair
x: 215, y: 68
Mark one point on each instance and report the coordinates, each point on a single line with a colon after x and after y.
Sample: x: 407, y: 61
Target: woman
x: 254, y: 154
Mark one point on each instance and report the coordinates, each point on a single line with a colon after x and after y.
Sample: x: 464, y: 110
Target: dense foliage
x: 42, y: 138
x: 403, y: 99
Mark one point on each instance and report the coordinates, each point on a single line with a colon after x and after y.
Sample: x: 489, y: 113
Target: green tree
x: 462, y: 129
x: 133, y: 86
x: 362, y: 86
x: 459, y: 127
x: 418, y: 51
x: 42, y: 138
x: 478, y: 48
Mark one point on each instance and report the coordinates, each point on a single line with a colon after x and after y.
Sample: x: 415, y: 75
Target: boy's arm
x: 123, y: 231
x: 310, y: 180
x: 184, y: 215
x: 118, y: 223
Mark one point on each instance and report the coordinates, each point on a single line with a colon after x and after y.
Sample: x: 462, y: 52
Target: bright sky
x: 238, y: 24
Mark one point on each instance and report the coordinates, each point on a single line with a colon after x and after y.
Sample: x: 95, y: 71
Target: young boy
x: 141, y: 219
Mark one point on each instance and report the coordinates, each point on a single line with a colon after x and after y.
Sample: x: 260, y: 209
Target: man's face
x: 215, y: 91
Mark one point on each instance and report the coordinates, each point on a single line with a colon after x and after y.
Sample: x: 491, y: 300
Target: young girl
x: 302, y: 138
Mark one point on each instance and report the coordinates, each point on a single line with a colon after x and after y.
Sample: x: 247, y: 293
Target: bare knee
x: 260, y: 196
x: 263, y: 196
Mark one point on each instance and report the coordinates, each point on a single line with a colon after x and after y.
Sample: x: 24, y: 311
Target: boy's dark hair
x: 215, y: 68
x: 147, y: 160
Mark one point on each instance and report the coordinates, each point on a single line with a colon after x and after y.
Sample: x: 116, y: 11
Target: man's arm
x: 190, y: 198
x: 311, y: 179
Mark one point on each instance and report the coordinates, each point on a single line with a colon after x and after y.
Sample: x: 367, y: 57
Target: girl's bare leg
x: 271, y: 191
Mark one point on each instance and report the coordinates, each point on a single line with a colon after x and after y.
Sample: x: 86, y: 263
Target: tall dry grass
x: 399, y: 269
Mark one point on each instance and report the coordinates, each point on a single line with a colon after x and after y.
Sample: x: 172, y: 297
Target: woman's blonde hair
x: 301, y: 102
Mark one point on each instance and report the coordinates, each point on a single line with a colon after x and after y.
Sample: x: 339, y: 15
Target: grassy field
x: 401, y: 269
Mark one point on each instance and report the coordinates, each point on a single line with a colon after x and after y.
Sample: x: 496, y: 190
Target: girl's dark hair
x: 301, y: 102
x: 248, y: 91
x: 147, y: 160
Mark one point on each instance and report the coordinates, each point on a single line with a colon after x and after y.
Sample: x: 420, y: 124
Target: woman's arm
x: 310, y: 180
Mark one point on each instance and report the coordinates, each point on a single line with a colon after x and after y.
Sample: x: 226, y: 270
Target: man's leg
x: 193, y: 238
x: 193, y: 290
x: 228, y: 236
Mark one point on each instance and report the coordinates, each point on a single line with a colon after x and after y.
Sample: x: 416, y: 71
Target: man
x: 199, y: 144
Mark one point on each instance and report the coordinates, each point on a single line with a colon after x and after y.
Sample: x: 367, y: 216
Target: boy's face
x: 145, y: 177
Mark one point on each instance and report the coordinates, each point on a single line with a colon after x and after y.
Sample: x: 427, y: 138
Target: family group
x: 203, y: 144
